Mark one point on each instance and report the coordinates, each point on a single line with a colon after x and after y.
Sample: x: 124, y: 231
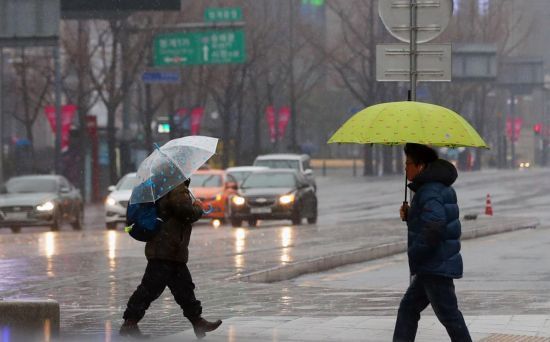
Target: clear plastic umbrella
x: 170, y: 165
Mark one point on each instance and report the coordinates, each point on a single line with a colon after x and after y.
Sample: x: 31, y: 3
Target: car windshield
x: 240, y: 176
x: 127, y: 183
x: 30, y: 185
x: 269, y: 180
x: 279, y: 164
x: 205, y: 180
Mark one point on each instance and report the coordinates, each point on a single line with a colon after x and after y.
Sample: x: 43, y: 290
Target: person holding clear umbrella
x: 167, y: 251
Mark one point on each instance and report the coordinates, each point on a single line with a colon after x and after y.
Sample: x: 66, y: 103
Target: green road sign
x: 217, y: 14
x: 195, y: 48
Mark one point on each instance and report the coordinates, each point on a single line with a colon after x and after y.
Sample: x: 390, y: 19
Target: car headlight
x: 218, y: 197
x: 238, y: 200
x: 48, y: 206
x: 286, y: 199
x: 110, y: 201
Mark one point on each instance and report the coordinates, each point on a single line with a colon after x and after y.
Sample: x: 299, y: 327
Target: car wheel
x: 55, y: 224
x: 297, y: 217
x: 111, y: 225
x: 236, y: 223
x: 77, y: 224
x: 15, y: 230
x: 313, y: 219
x: 253, y: 222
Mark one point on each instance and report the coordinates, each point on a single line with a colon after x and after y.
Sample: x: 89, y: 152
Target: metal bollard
x: 324, y: 167
x: 354, y: 167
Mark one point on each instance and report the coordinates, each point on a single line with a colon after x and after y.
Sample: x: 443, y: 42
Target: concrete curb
x: 331, y: 261
x: 30, y: 318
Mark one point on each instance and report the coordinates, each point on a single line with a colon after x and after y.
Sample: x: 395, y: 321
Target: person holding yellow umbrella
x: 433, y: 223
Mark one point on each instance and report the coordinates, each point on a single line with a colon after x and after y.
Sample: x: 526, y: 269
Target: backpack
x: 142, y: 222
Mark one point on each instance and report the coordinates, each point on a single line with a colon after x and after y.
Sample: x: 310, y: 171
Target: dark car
x: 40, y: 200
x: 274, y: 194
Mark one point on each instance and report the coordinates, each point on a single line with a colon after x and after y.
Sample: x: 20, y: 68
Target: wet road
x: 93, y: 272
x: 505, y: 274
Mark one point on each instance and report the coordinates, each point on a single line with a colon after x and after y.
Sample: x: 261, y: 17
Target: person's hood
x: 440, y: 171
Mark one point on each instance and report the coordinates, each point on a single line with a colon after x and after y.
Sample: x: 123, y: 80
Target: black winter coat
x: 177, y: 211
x: 433, y: 223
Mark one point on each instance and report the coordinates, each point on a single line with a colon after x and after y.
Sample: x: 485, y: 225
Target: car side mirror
x: 111, y: 188
x: 308, y: 172
x: 231, y: 185
x: 64, y: 190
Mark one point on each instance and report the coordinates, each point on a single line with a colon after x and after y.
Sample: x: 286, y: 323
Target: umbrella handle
x: 405, y: 210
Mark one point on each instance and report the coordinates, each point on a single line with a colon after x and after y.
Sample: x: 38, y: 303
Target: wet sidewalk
x: 503, y: 328
x: 92, y: 273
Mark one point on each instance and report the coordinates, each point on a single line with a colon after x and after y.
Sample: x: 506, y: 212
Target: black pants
x: 440, y: 293
x: 158, y: 275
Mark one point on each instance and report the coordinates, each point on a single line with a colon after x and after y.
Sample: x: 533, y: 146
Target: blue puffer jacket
x: 433, y: 222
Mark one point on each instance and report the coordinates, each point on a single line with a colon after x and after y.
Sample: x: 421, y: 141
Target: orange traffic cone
x: 488, y: 206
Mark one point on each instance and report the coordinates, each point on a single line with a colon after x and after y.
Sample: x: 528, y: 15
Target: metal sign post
x: 413, y: 55
x: 415, y: 22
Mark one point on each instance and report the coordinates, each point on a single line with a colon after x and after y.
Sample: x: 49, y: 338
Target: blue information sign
x: 161, y: 77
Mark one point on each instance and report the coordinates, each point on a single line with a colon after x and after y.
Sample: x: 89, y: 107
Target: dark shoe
x: 202, y: 326
x: 131, y: 329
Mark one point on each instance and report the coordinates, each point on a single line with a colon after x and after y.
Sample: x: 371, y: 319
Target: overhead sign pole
x: 414, y: 22
x: 412, y: 58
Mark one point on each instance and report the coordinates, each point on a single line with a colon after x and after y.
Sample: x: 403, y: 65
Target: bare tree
x: 32, y: 87
x: 352, y: 58
x: 108, y: 77
x: 77, y: 85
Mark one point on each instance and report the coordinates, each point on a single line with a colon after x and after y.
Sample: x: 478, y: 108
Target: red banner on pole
x: 67, y: 114
x: 517, y: 128
x: 270, y: 117
x: 284, y: 117
x: 196, y: 117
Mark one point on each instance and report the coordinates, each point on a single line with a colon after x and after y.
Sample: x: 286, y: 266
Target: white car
x: 117, y: 201
x: 298, y: 162
x: 239, y: 173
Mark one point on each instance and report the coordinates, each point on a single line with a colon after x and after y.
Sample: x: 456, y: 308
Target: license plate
x: 260, y: 210
x: 16, y: 216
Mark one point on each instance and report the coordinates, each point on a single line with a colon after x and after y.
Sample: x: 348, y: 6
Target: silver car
x: 40, y: 200
x: 117, y: 201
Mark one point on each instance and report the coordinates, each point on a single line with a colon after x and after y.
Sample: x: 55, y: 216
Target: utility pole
x: 292, y: 90
x: 57, y: 110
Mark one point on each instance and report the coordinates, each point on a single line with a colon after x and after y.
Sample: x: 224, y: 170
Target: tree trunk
x: 368, y: 168
x: 111, y: 142
x: 387, y: 155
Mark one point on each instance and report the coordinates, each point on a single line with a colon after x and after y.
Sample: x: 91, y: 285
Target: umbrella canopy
x: 396, y: 123
x: 170, y: 165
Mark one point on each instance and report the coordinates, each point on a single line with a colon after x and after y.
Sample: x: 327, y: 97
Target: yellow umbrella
x: 395, y: 123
